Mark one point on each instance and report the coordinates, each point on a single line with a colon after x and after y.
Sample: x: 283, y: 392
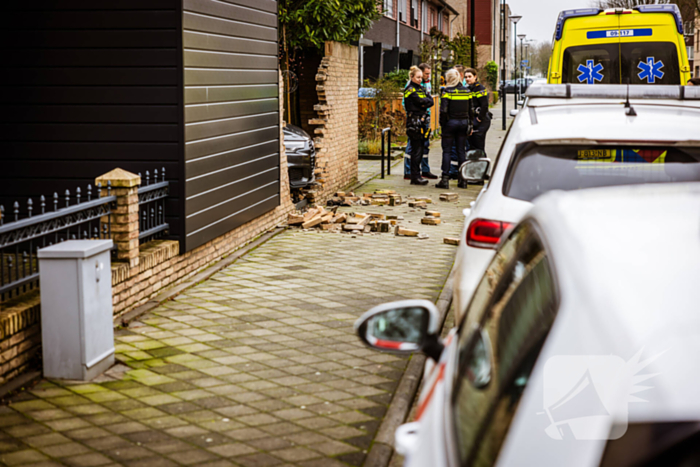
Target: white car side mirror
x: 402, y: 327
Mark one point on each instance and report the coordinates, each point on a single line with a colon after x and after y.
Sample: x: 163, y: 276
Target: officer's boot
x: 462, y: 183
x: 444, y: 182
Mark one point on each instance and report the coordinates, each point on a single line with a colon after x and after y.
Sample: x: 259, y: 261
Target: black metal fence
x: 152, y: 196
x: 62, y: 218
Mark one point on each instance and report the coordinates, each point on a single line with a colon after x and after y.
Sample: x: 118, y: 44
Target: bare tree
x: 686, y: 5
x: 539, y: 57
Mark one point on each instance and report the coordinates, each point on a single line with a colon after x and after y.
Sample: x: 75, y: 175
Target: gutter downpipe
x: 362, y: 59
x: 398, y: 21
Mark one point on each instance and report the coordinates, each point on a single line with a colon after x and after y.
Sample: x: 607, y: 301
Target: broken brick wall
x: 336, y: 122
x: 307, y: 95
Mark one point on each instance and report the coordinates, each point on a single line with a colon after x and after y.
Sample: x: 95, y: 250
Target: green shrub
x: 495, y: 97
x: 369, y: 147
x: 492, y: 74
x: 398, y: 78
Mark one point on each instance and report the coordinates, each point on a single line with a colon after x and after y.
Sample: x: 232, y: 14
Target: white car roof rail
x: 613, y: 91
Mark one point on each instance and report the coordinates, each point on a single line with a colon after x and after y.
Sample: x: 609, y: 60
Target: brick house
x: 394, y: 40
x: 488, y: 26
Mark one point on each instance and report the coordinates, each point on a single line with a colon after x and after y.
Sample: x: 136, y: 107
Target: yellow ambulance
x: 644, y: 45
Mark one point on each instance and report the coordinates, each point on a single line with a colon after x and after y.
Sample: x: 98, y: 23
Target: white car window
x: 538, y: 169
x: 497, y: 353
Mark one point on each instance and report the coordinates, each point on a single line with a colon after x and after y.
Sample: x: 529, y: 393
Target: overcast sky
x: 540, y: 16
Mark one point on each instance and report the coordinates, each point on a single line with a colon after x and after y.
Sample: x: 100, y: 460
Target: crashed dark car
x: 301, y: 156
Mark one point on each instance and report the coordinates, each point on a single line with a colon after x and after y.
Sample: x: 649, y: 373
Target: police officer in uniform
x: 417, y: 105
x: 482, y: 120
x: 456, y: 114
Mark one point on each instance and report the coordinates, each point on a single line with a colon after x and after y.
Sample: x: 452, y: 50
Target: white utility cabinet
x: 76, y: 309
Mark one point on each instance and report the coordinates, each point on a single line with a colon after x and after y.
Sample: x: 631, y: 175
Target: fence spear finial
x: 89, y: 192
x: 77, y: 195
x: 55, y: 201
x: 67, y: 198
x: 42, y: 202
x: 16, y: 207
x: 30, y: 207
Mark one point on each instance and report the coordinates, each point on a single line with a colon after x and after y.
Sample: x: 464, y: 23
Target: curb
x: 383, y: 446
x: 19, y: 381
x: 153, y: 303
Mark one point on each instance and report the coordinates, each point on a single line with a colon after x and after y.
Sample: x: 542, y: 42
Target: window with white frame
x: 691, y: 52
x: 389, y: 8
x: 402, y: 10
x: 414, y: 13
x: 424, y: 17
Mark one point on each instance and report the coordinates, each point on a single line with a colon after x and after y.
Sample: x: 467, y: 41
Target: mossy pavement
x: 257, y: 366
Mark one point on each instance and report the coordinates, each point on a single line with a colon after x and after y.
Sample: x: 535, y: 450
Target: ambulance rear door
x: 649, y: 49
x: 591, y: 50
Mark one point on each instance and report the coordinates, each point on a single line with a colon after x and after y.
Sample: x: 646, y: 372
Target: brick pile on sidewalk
x: 330, y: 220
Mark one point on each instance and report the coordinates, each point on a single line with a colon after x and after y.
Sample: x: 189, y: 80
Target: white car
x: 569, y: 137
x: 581, y: 347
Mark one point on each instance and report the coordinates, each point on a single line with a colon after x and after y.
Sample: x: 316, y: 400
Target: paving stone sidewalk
x: 257, y: 366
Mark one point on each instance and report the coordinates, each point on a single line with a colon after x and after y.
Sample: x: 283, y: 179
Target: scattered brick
x: 449, y: 197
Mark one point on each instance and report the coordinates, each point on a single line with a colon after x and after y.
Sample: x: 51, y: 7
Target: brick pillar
x: 125, y: 218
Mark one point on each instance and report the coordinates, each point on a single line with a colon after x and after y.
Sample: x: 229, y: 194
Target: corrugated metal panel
x: 87, y: 86
x: 231, y: 114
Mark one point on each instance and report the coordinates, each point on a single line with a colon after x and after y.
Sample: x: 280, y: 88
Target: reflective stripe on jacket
x: 481, y: 103
x: 456, y: 104
x: 416, y: 100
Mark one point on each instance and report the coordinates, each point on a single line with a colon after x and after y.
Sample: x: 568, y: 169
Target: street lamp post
x: 522, y: 38
x: 514, y: 19
x: 504, y: 60
x: 472, y: 27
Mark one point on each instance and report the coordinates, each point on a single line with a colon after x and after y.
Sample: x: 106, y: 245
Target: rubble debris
x: 423, y: 236
x: 326, y: 219
x: 430, y: 220
x: 295, y: 219
x: 449, y: 197
x: 423, y: 198
x: 451, y: 241
x: 400, y: 231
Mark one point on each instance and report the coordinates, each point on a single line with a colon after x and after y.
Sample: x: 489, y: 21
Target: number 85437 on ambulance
x: 644, y: 45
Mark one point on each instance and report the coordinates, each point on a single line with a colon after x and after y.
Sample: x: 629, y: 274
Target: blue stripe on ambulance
x: 619, y: 33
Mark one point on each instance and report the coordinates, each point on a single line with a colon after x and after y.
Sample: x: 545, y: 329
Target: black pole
x: 515, y: 67
x: 504, y: 47
x: 521, y: 69
x: 382, y: 156
x: 473, y: 26
x: 388, y: 160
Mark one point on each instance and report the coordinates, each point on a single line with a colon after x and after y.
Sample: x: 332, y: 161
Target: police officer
x: 456, y: 114
x: 417, y: 104
x: 482, y: 120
